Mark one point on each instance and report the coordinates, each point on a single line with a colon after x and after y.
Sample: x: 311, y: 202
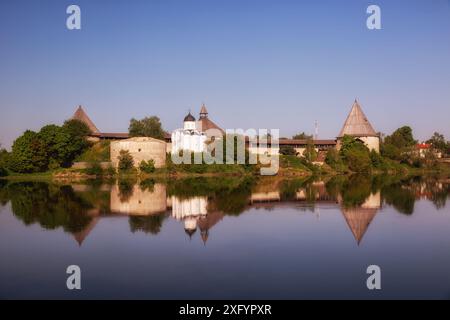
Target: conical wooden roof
x: 357, y: 124
x: 81, y: 115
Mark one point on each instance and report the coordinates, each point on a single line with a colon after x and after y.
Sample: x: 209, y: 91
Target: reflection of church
x: 149, y: 205
x: 189, y: 211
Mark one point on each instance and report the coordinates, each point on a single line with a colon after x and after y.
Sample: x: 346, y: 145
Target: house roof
x: 203, y: 111
x: 111, y: 135
x: 189, y: 117
x: 81, y: 115
x: 357, y: 123
x: 206, y: 124
x: 305, y: 142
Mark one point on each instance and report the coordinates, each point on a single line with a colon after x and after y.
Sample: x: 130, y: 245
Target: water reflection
x: 200, y: 204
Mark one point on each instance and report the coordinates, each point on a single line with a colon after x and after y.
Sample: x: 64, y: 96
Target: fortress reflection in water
x: 199, y: 213
x: 199, y: 205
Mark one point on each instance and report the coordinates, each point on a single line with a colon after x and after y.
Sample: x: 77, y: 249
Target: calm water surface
x: 226, y: 238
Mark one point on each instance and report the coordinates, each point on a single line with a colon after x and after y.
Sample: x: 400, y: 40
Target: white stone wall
x: 189, y: 125
x: 140, y: 148
x: 373, y: 143
x: 188, y: 140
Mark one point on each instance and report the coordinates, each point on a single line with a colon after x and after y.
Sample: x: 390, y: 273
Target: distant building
x: 188, y: 138
x: 194, y: 134
x: 421, y: 150
x: 358, y: 126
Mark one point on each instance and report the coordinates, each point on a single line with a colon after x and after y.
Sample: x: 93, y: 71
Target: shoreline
x: 285, y: 173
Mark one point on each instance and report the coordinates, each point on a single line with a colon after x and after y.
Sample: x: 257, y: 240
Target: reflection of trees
x: 3, y: 192
x: 126, y: 189
x: 147, y: 185
x: 401, y: 198
x: 436, y: 191
x: 289, y: 189
x: 354, y: 190
x: 49, y: 205
x: 147, y: 224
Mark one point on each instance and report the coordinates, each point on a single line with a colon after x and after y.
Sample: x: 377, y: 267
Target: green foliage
x: 287, y: 150
x: 302, y: 136
x: 147, y: 166
x: 77, y: 128
x: 439, y: 143
x: 147, y: 127
x: 376, y: 159
x: 358, y: 160
x: 333, y: 159
x: 51, y: 148
x: 310, y: 152
x: 392, y: 152
x: 355, y: 154
x: 4, y: 160
x: 3, y: 172
x: 401, y: 138
x: 99, y: 151
x: 78, y: 132
x: 126, y: 161
x: 29, y: 154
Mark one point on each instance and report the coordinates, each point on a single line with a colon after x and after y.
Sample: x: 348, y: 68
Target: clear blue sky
x: 256, y: 64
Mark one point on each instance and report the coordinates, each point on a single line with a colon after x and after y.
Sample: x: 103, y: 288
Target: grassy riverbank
x: 290, y: 166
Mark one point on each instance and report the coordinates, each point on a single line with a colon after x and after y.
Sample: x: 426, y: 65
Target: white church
x: 194, y: 134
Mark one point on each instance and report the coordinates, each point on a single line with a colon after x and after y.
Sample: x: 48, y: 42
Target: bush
x: 358, y: 160
x: 126, y: 161
x: 147, y: 166
x: 376, y: 159
x: 334, y: 160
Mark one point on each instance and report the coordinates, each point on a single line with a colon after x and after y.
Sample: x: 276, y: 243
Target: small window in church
x: 139, y: 150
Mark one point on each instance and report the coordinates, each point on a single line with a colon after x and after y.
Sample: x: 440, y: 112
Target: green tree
x: 4, y: 158
x: 147, y: 127
x: 78, y: 132
x: 439, y: 143
x: 355, y: 154
x: 334, y: 160
x: 401, y: 138
x: 376, y: 159
x: 126, y: 161
x: 310, y: 152
x: 58, y: 145
x: 29, y: 154
x: 302, y: 136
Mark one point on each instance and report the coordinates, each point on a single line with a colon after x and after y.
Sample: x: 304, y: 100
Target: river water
x: 227, y: 238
